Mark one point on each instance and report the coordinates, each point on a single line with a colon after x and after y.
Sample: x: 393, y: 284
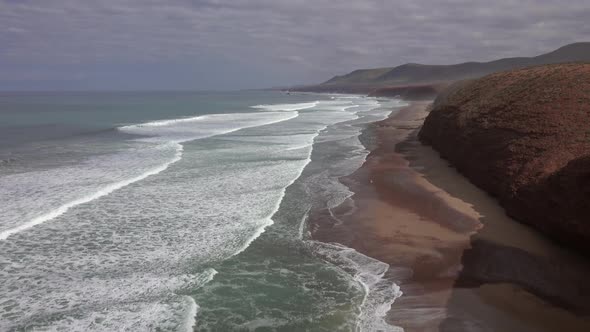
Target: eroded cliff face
x: 524, y: 137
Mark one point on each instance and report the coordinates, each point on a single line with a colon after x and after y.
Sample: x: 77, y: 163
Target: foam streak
x: 118, y: 185
x: 101, y: 192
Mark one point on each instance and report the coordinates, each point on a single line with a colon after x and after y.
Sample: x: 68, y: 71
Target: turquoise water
x: 181, y: 211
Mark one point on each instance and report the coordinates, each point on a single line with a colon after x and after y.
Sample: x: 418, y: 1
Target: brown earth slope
x: 524, y: 137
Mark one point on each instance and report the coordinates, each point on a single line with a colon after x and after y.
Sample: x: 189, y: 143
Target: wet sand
x: 462, y: 264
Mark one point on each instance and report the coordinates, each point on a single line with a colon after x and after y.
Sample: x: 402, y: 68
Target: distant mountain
x: 413, y: 73
x: 360, y: 76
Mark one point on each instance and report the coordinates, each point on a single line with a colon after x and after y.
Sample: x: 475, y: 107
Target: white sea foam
x: 191, y: 315
x: 286, y: 107
x: 183, y: 130
x: 167, y: 133
x: 268, y: 221
x: 303, y: 225
x: 126, y: 261
x: 221, y: 197
x: 85, y: 199
x: 380, y: 293
x: 160, y: 123
x: 112, y: 303
x: 190, y: 320
x: 299, y: 147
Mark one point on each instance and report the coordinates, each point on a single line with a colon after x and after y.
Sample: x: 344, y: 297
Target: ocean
x: 178, y: 211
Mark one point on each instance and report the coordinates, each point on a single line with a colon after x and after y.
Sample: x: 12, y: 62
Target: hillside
x: 412, y: 73
x: 524, y: 137
x: 359, y: 76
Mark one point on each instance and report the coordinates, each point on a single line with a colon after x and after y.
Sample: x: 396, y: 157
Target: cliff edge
x: 524, y: 137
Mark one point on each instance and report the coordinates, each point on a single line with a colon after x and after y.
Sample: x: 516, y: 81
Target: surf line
x: 115, y: 186
x: 102, y: 192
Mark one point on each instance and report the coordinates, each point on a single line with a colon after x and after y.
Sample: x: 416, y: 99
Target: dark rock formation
x: 524, y: 137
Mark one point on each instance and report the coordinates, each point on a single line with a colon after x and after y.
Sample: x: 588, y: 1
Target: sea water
x: 180, y: 211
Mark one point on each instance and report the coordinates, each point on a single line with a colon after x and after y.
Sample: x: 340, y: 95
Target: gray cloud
x: 266, y: 42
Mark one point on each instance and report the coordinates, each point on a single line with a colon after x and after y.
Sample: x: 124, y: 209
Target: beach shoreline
x: 441, y: 235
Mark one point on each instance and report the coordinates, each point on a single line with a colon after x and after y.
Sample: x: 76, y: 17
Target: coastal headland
x: 463, y: 263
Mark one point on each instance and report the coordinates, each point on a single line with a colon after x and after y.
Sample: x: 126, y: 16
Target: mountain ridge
x: 412, y: 73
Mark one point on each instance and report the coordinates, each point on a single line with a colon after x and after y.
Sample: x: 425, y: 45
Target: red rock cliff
x: 524, y: 137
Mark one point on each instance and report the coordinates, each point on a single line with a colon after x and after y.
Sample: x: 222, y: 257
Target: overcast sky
x: 232, y: 44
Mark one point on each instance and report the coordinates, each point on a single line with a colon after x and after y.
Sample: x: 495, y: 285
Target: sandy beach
x: 462, y: 264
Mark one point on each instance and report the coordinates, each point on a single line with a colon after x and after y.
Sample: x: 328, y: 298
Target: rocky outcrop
x: 524, y: 137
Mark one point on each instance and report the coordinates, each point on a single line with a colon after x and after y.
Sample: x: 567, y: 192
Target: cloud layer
x: 254, y: 43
